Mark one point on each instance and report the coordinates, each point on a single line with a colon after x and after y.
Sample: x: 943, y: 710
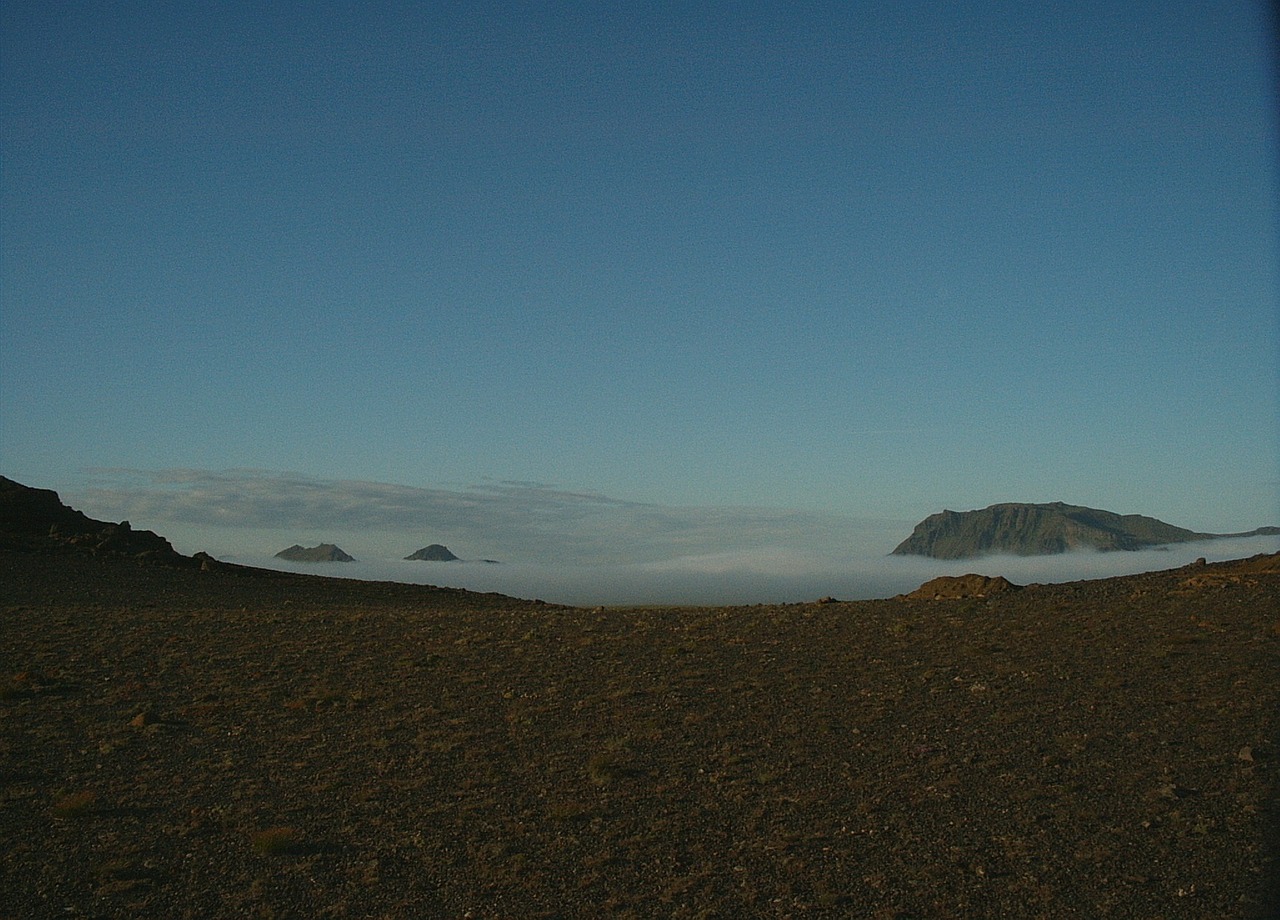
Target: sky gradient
x: 751, y: 263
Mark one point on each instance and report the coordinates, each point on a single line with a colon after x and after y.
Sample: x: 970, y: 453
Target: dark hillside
x: 36, y: 520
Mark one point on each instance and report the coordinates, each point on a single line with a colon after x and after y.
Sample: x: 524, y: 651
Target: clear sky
x: 632, y: 272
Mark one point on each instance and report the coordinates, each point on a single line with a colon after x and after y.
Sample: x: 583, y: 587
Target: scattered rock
x: 1212, y: 580
x: 1173, y: 791
x: 207, y: 562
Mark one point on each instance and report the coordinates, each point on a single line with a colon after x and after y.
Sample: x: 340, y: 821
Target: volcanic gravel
x: 231, y: 743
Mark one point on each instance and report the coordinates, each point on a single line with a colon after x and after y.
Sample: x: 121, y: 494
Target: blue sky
x: 738, y: 263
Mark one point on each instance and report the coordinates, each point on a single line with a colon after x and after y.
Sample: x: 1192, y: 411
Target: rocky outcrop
x: 950, y: 587
x: 36, y: 520
x: 24, y: 510
x: 433, y: 553
x: 1037, y: 530
x: 325, y: 552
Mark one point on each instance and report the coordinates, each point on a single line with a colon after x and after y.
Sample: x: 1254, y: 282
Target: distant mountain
x: 325, y: 552
x: 433, y: 553
x: 1023, y: 529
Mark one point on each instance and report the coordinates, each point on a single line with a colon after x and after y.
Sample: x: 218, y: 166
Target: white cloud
x: 512, y: 521
x: 763, y: 576
x: 568, y: 546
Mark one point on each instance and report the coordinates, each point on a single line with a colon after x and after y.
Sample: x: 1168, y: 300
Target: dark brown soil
x: 177, y: 743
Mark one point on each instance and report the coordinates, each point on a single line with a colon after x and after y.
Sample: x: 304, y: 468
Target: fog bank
x: 760, y: 576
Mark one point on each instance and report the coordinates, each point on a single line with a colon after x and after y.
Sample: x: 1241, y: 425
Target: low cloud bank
x: 763, y: 577
x: 529, y: 523
x: 566, y: 546
x: 518, y: 522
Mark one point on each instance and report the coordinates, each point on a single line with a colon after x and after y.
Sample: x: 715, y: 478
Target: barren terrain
x: 183, y: 743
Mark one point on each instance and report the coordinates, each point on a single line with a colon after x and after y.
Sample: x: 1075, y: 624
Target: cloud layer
x: 762, y: 577
x: 566, y: 546
x: 513, y: 521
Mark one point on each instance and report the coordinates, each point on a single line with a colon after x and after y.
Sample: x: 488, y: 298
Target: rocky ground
x: 186, y: 743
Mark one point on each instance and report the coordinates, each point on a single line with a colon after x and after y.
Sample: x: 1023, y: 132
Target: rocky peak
x: 433, y: 553
x: 325, y: 552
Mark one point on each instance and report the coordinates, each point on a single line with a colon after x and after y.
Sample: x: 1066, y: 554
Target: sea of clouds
x: 761, y: 577
x: 570, y: 547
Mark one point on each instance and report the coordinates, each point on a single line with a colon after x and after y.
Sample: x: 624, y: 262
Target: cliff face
x: 24, y: 510
x: 36, y: 520
x: 1037, y: 530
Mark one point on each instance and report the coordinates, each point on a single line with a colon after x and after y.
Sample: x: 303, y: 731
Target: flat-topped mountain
x: 325, y: 552
x: 1024, y: 529
x: 433, y: 553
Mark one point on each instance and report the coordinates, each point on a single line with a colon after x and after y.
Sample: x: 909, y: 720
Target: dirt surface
x: 178, y: 743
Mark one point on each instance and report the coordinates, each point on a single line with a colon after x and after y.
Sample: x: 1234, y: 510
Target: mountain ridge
x: 1031, y: 529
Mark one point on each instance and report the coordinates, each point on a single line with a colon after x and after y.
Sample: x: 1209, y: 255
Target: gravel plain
x: 234, y: 743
